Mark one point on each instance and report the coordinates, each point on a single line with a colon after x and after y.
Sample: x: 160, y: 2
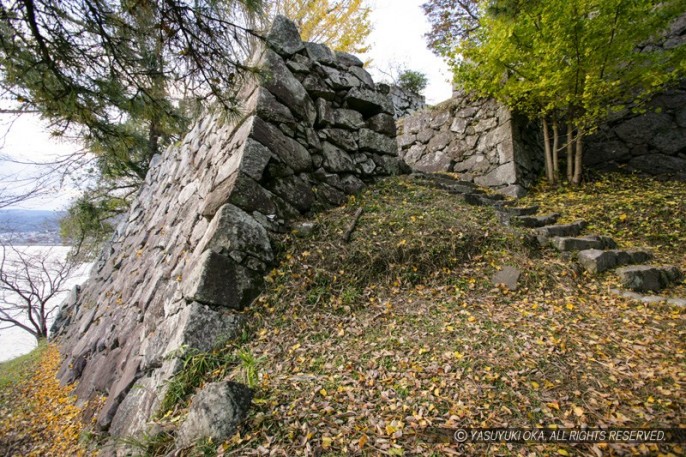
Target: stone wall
x: 652, y: 143
x: 193, y: 250
x: 476, y: 138
x: 404, y: 101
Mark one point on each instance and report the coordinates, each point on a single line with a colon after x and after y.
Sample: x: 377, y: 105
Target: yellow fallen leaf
x: 553, y: 405
x: 535, y: 385
x: 323, y: 392
x: 326, y: 442
x: 578, y: 411
x: 363, y: 440
x: 562, y: 452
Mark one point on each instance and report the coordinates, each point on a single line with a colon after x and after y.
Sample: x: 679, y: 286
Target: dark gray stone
x: 341, y: 138
x: 597, y: 261
x: 337, y: 160
x: 232, y: 229
x: 349, y: 119
x: 642, y: 278
x: 287, y: 149
x: 255, y: 159
x: 348, y: 60
x: 284, y: 37
x: 320, y: 53
x: 507, y: 276
x: 325, y: 113
x: 376, y: 142
x: 269, y: 109
x: 286, y: 87
x: 573, y: 229
x: 219, y: 281
x: 362, y: 75
x: 303, y: 229
x: 382, y: 123
x: 368, y: 102
x: 296, y: 191
x: 579, y: 244
x: 215, y: 413
x: 534, y: 221
x: 316, y: 87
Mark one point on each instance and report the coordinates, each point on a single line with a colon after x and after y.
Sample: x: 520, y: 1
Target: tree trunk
x: 578, y: 159
x: 556, y: 147
x: 548, y: 153
x: 570, y: 152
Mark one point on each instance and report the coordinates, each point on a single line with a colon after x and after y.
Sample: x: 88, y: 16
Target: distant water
x: 14, y: 341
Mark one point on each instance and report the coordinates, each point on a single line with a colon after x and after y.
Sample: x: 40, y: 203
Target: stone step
x: 643, y: 278
x: 505, y: 213
x: 447, y: 183
x: 570, y: 243
x: 597, y: 261
x: 479, y: 199
x: 573, y: 229
x: 534, y: 221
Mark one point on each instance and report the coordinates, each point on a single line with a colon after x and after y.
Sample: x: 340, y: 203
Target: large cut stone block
x: 642, y: 278
x: 287, y: 149
x: 286, y: 87
x: 369, y: 102
x: 215, y: 413
x: 233, y: 230
x: 219, y: 281
x: 284, y: 37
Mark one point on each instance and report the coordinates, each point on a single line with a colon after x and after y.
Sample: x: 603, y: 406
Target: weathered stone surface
x: 534, y: 221
x: 568, y: 243
x: 363, y: 76
x: 404, y: 101
x: 215, y: 413
x: 255, y: 159
x: 643, y: 278
x: 337, y: 160
x: 573, y: 229
x: 320, y: 53
x: 296, y: 191
x: 288, y: 150
x: 382, y: 123
x: 233, y: 230
x: 316, y: 87
x: 219, y: 281
x: 284, y: 37
x: 286, y: 87
x: 349, y: 119
x: 508, y: 276
x: 348, y: 60
x: 341, y: 138
x: 368, y: 102
x: 376, y: 142
x: 597, y: 261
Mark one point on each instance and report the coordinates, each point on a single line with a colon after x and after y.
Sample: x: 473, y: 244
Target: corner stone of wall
x: 404, y: 101
x: 474, y: 137
x: 192, y: 252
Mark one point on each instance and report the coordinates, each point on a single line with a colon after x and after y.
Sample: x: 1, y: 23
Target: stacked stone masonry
x: 477, y: 138
x: 196, y: 243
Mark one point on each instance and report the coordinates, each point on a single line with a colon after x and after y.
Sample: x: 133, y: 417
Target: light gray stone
x: 569, y: 243
x: 219, y: 281
x: 507, y: 276
x: 320, y: 53
x: 288, y: 150
x: 215, y: 413
x: 286, y: 87
x: 349, y: 119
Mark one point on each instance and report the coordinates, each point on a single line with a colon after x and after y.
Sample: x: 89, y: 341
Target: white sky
x: 397, y: 41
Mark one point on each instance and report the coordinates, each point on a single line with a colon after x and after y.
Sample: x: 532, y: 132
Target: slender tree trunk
x: 556, y: 147
x: 578, y: 159
x: 570, y: 151
x: 548, y: 153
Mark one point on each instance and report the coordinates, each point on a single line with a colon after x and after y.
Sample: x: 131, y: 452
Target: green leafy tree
x: 568, y: 61
x: 413, y: 81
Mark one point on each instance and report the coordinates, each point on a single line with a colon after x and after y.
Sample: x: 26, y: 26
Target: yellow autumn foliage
x: 40, y: 417
x: 343, y: 25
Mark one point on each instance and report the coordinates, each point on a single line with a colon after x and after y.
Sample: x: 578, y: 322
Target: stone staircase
x: 595, y: 253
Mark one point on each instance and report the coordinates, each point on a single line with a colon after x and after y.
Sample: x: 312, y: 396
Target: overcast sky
x: 397, y: 41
